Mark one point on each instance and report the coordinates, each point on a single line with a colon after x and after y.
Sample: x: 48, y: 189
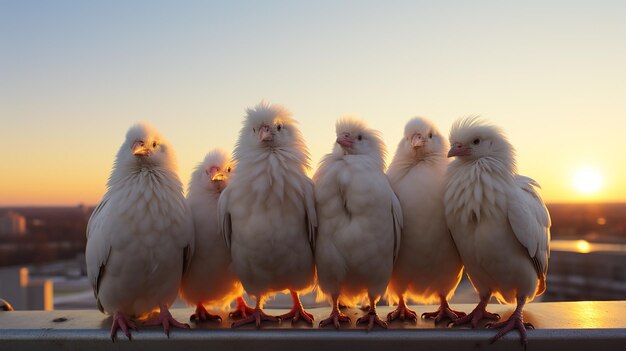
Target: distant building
x: 12, y: 223
x: 24, y: 293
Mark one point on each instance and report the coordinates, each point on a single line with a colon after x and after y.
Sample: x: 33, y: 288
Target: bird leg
x: 444, y: 311
x: 165, y: 319
x: 297, y: 311
x: 120, y: 321
x: 256, y: 317
x: 402, y: 311
x: 479, y: 313
x: 371, y: 317
x: 336, y: 316
x: 242, y: 310
x: 515, y: 321
x: 202, y: 315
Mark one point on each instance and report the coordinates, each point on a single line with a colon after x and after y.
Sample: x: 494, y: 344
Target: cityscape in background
x: 42, y: 261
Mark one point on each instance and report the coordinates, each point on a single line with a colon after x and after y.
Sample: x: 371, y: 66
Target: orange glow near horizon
x: 66, y: 189
x: 80, y: 178
x: 583, y: 246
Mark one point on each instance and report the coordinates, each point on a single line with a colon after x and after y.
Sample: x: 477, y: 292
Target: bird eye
x: 430, y: 135
x: 253, y: 130
x: 279, y: 127
x: 360, y: 137
x: 476, y: 141
x: 228, y: 170
x: 154, y: 144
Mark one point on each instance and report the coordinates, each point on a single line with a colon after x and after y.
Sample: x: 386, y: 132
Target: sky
x: 75, y: 75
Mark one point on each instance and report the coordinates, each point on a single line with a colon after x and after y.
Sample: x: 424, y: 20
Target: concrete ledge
x: 566, y: 325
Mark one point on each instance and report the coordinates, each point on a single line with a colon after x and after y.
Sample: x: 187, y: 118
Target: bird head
x: 270, y: 126
x: 471, y: 138
x: 215, y: 170
x: 422, y: 139
x: 144, y: 146
x: 354, y: 137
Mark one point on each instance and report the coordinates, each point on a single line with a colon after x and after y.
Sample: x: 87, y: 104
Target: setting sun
x: 587, y: 180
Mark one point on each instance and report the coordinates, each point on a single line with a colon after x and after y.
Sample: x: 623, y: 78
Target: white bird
x: 360, y: 221
x: 267, y: 212
x: 140, y: 236
x: 428, y: 268
x: 499, y: 222
x: 210, y: 279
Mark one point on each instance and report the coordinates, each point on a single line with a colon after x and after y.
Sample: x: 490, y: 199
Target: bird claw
x: 256, y: 317
x: 296, y: 313
x: 242, y: 310
x: 442, y: 313
x: 165, y: 319
x: 336, y: 318
x: 202, y: 315
x: 402, y: 312
x: 372, y: 318
x: 123, y: 323
x: 479, y: 313
x: 514, y: 322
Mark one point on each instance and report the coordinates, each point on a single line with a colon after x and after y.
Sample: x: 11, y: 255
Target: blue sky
x: 74, y: 75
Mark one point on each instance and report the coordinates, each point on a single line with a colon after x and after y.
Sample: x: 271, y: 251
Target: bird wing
x: 530, y: 221
x: 311, y: 214
x: 396, y: 212
x: 223, y: 216
x: 190, y: 243
x: 95, y: 218
x: 99, y: 246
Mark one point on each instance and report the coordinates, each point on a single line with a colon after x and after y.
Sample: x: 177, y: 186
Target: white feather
x: 266, y: 214
x: 139, y: 234
x: 428, y: 264
x: 498, y: 221
x: 359, y: 217
x: 210, y: 279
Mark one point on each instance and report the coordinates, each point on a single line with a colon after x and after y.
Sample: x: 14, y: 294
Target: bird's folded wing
x: 530, y: 221
x: 223, y: 216
x: 99, y: 246
x: 311, y: 214
x: 396, y: 211
x: 190, y: 243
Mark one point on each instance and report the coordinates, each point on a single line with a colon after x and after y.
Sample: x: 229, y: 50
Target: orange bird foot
x: 122, y: 323
x: 336, y: 318
x: 371, y: 318
x: 166, y: 320
x: 256, y: 317
x: 202, y: 315
x: 402, y: 312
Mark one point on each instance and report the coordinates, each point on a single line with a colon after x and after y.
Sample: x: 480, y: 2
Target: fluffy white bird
x: 499, y: 222
x: 210, y: 279
x: 428, y: 268
x: 267, y: 212
x: 360, y: 220
x: 140, y: 236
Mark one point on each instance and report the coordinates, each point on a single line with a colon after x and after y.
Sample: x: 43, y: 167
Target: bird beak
x: 139, y: 149
x: 459, y: 149
x: 417, y: 140
x: 265, y: 134
x: 216, y: 175
x: 344, y: 140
